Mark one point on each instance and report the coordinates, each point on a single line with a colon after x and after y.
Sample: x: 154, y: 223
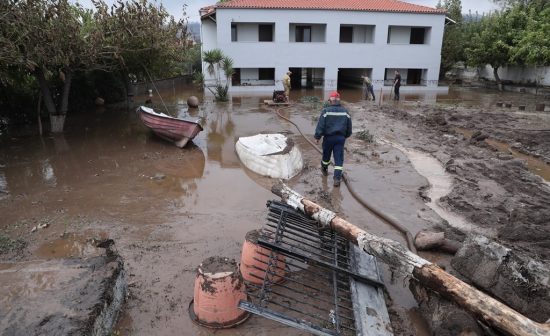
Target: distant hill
x: 194, y: 29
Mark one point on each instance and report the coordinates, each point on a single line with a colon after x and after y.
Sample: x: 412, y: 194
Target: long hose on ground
x: 372, y: 209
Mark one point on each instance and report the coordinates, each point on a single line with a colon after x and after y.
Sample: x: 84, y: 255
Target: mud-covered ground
x: 496, y: 187
x: 169, y: 209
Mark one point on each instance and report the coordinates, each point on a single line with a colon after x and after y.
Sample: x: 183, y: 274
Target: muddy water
x: 168, y: 208
x: 69, y: 245
x: 440, y: 185
x: 535, y: 165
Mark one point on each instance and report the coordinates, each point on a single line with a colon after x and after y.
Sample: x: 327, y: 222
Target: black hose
x: 372, y: 209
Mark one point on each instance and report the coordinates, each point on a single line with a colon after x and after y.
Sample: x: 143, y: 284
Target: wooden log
x: 484, y: 307
x: 426, y: 240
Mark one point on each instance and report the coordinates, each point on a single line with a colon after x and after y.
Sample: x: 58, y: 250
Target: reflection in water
x: 47, y: 173
x: 4, y: 191
x: 188, y: 163
x: 221, y: 137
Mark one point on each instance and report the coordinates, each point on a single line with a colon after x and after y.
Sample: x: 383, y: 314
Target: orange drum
x: 255, y: 259
x: 218, y: 289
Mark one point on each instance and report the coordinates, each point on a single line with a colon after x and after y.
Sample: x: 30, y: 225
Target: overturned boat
x: 272, y: 155
x: 178, y: 131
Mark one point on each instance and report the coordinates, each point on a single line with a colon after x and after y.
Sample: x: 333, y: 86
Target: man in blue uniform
x: 334, y: 126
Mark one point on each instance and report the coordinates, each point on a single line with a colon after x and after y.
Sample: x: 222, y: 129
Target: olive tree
x: 54, y: 39
x: 495, y: 39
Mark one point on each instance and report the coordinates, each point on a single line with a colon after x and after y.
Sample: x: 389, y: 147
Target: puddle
x: 441, y: 184
x: 536, y: 166
x: 70, y: 246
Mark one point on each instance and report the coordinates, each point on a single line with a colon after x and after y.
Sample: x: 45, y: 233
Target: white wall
x: 518, y: 74
x: 209, y: 41
x: 209, y: 35
x: 331, y: 54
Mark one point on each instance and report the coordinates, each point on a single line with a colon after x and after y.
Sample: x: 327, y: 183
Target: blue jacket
x: 334, y: 120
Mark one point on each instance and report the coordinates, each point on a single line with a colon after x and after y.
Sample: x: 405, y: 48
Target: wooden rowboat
x: 178, y: 131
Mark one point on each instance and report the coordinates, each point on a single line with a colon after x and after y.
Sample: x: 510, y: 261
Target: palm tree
x: 218, y: 65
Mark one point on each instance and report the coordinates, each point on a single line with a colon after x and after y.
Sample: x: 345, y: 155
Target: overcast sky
x: 174, y: 7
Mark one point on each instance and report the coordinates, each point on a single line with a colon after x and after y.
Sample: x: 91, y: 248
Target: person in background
x: 334, y: 126
x: 286, y: 84
x: 396, y: 85
x: 368, y: 88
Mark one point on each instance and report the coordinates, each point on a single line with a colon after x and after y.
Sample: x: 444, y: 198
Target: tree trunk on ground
x: 497, y: 78
x: 426, y: 240
x: 482, y: 306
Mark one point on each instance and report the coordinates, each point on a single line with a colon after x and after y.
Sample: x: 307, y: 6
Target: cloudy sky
x: 175, y: 6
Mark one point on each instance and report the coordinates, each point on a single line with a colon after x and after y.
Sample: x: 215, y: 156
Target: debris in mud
x: 509, y: 275
x: 158, y: 177
x: 42, y: 226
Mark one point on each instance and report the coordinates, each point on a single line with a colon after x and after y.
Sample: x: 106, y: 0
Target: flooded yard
x: 168, y: 209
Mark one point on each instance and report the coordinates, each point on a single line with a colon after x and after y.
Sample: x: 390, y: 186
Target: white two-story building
x: 325, y: 43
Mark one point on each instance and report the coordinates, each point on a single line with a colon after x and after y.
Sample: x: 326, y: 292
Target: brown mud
x: 493, y: 190
x: 169, y: 209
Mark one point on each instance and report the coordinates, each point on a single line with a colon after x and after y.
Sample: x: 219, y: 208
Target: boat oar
x: 481, y: 305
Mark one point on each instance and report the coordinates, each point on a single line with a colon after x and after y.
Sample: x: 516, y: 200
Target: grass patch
x: 365, y: 135
x: 8, y: 245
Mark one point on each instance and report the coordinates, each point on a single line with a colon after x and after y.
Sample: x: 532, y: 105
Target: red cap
x: 334, y: 95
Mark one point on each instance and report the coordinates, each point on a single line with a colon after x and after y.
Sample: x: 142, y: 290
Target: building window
x: 265, y: 33
x: 346, y: 34
x: 417, y: 35
x: 303, y: 33
x: 414, y: 76
x: 266, y: 74
x: 233, y: 33
x: 236, y: 77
